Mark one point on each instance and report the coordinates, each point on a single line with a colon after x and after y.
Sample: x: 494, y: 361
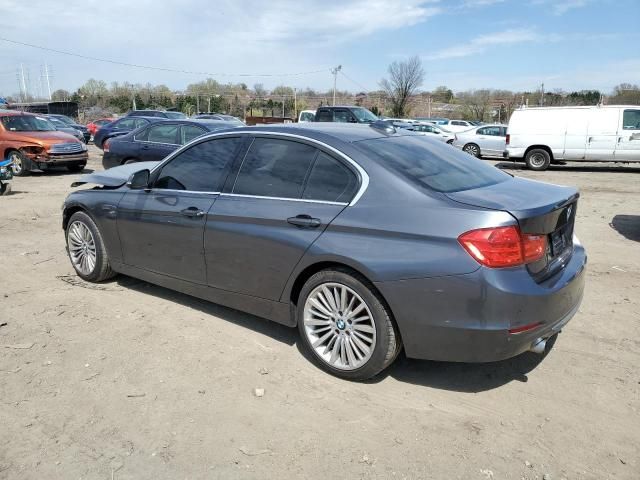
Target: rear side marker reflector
x: 501, y: 247
x: 524, y: 328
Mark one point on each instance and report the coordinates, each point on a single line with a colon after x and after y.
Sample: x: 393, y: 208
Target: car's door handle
x: 192, y: 212
x: 145, y: 147
x: 304, y: 221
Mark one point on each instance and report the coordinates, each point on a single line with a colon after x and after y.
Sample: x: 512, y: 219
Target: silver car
x: 483, y: 141
x: 434, y: 131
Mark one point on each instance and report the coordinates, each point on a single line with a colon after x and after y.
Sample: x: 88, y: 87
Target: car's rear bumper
x: 467, y: 318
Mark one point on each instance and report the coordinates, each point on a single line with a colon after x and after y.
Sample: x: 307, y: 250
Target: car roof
x: 13, y: 113
x: 341, y: 131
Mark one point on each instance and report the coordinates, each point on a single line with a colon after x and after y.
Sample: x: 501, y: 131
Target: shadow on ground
x: 59, y: 171
x: 627, y: 225
x: 574, y: 167
x: 459, y: 377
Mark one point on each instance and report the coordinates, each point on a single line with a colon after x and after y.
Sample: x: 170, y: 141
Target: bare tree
x: 404, y: 80
x: 261, y: 92
x: 475, y: 103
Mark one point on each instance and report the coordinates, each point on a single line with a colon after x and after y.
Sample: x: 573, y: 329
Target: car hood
x: 48, y: 137
x: 521, y: 197
x: 114, y: 177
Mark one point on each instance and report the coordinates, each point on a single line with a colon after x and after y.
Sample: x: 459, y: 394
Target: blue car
x: 121, y: 127
x: 155, y: 141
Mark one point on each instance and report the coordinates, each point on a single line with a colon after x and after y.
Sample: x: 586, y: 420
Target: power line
x: 161, y: 69
x: 354, y: 82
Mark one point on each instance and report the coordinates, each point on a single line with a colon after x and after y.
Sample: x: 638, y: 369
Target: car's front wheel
x: 86, y: 249
x: 20, y: 165
x: 346, y: 326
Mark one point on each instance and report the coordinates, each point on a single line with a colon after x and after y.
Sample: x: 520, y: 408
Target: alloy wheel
x: 16, y: 163
x: 472, y: 150
x: 82, y: 247
x: 339, y: 326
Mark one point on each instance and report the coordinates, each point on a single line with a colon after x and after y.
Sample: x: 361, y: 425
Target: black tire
x: 472, y: 149
x: 537, y: 159
x: 102, y: 269
x: 21, y: 165
x: 76, y: 168
x: 387, y: 339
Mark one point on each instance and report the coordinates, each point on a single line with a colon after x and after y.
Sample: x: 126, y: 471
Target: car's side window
x: 324, y: 116
x: 201, y: 168
x: 631, y: 120
x: 481, y: 131
x: 190, y: 132
x: 330, y: 181
x: 274, y: 168
x: 342, y: 116
x: 162, y: 133
x: 126, y: 123
x: 140, y: 122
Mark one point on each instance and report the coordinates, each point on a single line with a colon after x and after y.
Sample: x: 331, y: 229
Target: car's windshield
x: 175, y: 115
x: 434, y: 166
x: 27, y: 123
x: 57, y: 122
x: 364, y: 115
x: 64, y: 119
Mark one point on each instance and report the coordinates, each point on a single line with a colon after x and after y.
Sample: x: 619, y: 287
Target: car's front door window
x: 201, y: 168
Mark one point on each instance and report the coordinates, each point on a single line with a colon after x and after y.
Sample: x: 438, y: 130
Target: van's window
x: 330, y: 181
x: 274, y: 168
x: 434, y: 166
x: 631, y: 120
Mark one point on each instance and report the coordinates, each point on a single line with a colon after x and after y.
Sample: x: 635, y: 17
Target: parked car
x: 344, y: 114
x: 484, y: 141
x: 435, y: 131
x: 307, y: 116
x: 434, y: 120
x: 70, y: 122
x: 63, y: 127
x: 155, y: 141
x: 94, y: 126
x: 33, y: 144
x: 369, y: 239
x: 540, y: 136
x: 122, y: 126
x: 157, y: 113
x: 456, y: 125
x: 219, y: 116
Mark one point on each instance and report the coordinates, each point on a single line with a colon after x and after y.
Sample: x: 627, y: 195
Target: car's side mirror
x: 139, y: 180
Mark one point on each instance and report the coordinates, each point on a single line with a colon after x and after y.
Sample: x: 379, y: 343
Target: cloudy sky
x: 514, y: 44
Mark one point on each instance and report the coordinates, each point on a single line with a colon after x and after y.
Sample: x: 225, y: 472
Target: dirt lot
x: 127, y: 380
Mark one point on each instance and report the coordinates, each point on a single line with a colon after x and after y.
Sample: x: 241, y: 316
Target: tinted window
x: 201, y: 168
x: 434, y: 166
x: 324, y: 116
x: 631, y: 120
x: 163, y: 134
x: 458, y: 123
x: 274, y: 168
x: 189, y: 132
x: 126, y: 123
x: 342, y: 116
x: 330, y: 181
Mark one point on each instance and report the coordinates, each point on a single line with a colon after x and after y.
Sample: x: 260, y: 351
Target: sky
x: 463, y: 44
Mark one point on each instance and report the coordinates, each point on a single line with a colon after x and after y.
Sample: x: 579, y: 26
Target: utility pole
x: 283, y: 99
x: 46, y: 74
x: 429, y: 105
x: 209, y: 106
x: 335, y: 71
x: 542, y: 96
x: 197, y: 103
x: 24, y: 85
x: 295, y: 104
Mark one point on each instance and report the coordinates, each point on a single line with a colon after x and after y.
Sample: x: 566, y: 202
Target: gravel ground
x: 126, y: 380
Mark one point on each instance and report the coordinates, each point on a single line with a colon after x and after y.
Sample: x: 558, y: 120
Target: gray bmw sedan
x: 369, y: 239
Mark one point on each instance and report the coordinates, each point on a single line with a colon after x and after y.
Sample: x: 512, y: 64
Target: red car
x: 96, y: 124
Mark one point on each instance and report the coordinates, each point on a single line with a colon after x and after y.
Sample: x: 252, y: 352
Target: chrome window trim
x: 306, y: 200
x: 364, y: 177
x: 158, y: 190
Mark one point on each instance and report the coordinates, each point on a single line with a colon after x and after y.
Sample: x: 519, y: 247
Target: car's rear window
x: 436, y: 166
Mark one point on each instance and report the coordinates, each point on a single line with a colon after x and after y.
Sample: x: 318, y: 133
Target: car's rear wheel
x: 538, y: 159
x: 346, y: 326
x: 20, y: 165
x: 129, y: 161
x: 86, y: 249
x: 76, y: 168
x: 472, y: 149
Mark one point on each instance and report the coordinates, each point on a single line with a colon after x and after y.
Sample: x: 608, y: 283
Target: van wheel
x: 472, y: 149
x: 538, y: 159
x: 345, y: 325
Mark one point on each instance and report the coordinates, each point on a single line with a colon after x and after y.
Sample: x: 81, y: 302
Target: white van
x: 594, y: 134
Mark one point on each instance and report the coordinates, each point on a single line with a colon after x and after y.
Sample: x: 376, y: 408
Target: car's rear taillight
x: 508, y: 139
x: 503, y: 246
x: 105, y: 146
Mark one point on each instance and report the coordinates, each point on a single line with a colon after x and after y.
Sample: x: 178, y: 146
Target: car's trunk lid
x: 540, y: 209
